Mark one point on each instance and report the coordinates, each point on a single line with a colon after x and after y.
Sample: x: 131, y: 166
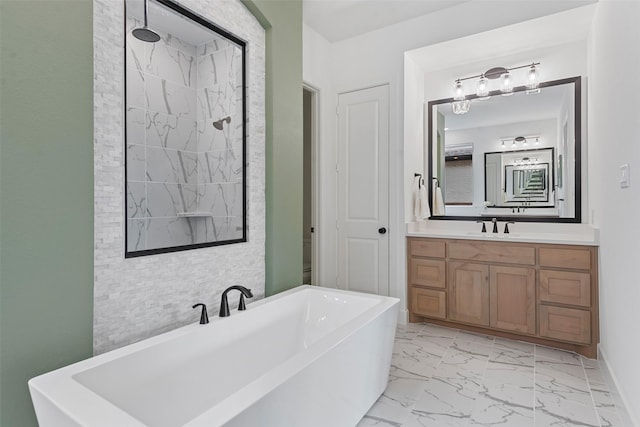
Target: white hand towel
x: 425, y: 213
x: 416, y: 198
x: 438, y: 203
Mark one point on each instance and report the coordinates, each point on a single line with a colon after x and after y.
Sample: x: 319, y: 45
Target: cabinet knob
x: 382, y: 230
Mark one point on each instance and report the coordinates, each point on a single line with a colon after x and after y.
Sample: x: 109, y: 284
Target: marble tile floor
x: 442, y: 377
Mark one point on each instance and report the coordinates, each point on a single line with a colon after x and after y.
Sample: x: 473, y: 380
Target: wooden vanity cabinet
x: 541, y: 293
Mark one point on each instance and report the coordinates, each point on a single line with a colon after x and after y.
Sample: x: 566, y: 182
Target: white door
x: 363, y: 190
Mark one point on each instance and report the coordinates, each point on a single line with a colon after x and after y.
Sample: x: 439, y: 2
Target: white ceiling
x: 337, y: 20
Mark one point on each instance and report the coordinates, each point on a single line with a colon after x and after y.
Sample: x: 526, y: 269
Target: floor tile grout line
x: 593, y: 399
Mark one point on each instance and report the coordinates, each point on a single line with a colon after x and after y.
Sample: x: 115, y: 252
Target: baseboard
x: 403, y: 315
x: 628, y: 418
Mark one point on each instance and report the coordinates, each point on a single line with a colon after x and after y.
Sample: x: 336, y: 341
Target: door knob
x: 382, y: 230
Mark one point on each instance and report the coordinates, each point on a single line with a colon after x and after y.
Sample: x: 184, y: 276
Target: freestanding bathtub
x: 303, y: 358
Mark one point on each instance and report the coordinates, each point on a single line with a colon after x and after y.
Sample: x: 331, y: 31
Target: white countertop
x: 553, y: 233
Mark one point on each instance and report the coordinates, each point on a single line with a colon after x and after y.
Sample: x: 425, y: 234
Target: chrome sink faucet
x: 224, y: 305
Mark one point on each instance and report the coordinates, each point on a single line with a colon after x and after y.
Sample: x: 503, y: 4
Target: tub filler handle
x: 204, y: 317
x: 224, y: 305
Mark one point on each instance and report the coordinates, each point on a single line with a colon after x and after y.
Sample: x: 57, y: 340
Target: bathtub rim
x: 62, y: 391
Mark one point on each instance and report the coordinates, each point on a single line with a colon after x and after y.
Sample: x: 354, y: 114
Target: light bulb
x: 458, y: 91
x: 502, y: 143
x: 506, y: 84
x: 483, y: 88
x: 537, y: 141
x: 533, y: 79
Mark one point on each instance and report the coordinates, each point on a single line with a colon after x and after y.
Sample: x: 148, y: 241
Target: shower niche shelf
x: 195, y: 214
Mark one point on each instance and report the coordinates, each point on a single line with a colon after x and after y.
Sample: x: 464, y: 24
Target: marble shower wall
x: 177, y: 161
x: 135, y: 298
x: 219, y: 95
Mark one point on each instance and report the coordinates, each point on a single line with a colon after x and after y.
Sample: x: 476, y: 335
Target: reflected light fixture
x: 524, y: 140
x: 461, y: 107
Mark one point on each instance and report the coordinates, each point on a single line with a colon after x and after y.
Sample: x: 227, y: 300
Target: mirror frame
x: 577, y: 101
x: 242, y: 45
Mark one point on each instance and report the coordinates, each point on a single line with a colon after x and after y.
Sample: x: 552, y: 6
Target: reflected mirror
x: 185, y: 130
x: 511, y: 157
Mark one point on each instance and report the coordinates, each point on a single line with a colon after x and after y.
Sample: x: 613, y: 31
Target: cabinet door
x: 512, y: 299
x: 428, y: 272
x: 469, y: 292
x: 428, y: 303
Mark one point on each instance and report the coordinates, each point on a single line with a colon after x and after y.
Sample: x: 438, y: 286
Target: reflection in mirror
x: 514, y: 156
x: 520, y: 180
x: 185, y: 131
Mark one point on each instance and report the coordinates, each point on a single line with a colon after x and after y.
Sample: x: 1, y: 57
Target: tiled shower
x: 184, y: 140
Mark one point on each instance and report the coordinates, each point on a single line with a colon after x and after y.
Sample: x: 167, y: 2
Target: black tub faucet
x: 204, y: 318
x: 224, y: 305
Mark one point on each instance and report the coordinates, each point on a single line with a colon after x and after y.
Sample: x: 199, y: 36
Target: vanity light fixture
x: 462, y: 104
x: 524, y: 140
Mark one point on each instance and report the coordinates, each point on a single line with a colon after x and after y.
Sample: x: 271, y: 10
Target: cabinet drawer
x: 567, y: 324
x: 492, y: 252
x: 428, y: 272
x: 565, y: 287
x: 577, y: 258
x: 426, y: 302
x: 426, y: 247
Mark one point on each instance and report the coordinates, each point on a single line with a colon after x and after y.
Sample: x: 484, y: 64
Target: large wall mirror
x: 185, y: 130
x: 511, y: 157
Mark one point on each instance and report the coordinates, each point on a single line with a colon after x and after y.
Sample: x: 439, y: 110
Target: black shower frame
x: 242, y: 44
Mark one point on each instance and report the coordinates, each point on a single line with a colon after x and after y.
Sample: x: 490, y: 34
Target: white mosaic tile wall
x: 140, y: 297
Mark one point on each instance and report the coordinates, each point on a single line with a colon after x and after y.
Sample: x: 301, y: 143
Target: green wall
x: 283, y: 23
x: 46, y: 194
x: 46, y: 182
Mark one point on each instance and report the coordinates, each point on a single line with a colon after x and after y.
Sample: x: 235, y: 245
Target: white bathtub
x: 306, y: 357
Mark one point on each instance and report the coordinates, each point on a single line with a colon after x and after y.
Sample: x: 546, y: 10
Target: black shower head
x: 218, y: 123
x: 144, y: 33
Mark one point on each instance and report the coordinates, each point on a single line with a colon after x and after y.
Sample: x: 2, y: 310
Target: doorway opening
x: 309, y: 185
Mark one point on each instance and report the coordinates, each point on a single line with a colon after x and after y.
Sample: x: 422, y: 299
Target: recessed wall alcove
x: 135, y: 298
